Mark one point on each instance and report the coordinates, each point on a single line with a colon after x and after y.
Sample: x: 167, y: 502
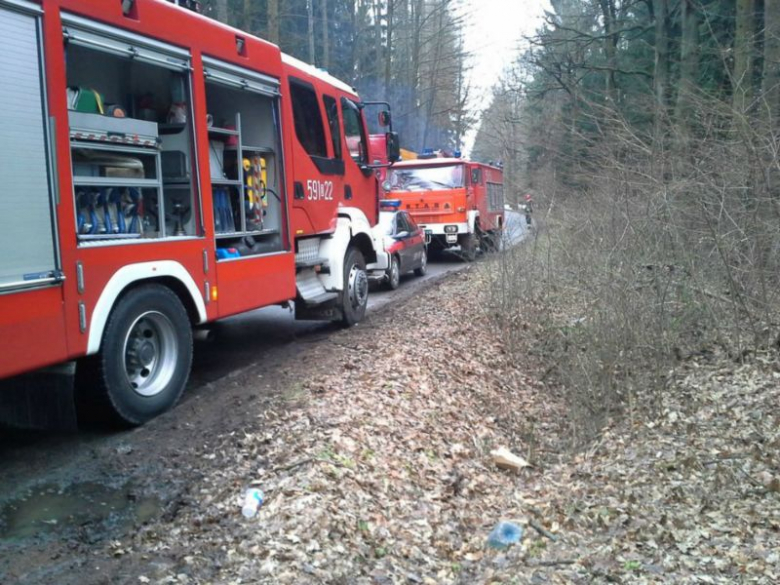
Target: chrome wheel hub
x: 150, y: 353
x: 357, y: 286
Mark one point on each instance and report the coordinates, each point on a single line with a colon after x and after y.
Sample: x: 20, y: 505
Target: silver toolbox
x: 85, y: 126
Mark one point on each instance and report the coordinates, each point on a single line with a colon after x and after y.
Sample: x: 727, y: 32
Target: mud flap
x: 41, y: 400
x: 325, y: 312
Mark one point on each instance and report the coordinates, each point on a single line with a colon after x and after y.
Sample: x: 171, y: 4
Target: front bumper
x: 382, y: 262
x: 437, y: 229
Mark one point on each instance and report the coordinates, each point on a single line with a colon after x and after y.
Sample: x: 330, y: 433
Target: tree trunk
x: 273, y: 21
x: 414, y: 74
x: 325, y: 36
x: 771, y: 78
x: 610, y: 46
x: 661, y: 77
x: 310, y: 16
x: 248, y: 18
x: 770, y: 89
x: 222, y: 11
x: 689, y: 64
x: 434, y: 77
x: 378, y: 60
x: 389, y: 53
x: 742, y: 78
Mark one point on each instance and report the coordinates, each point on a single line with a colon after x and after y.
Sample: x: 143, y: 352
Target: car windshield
x: 386, y: 222
x: 426, y: 178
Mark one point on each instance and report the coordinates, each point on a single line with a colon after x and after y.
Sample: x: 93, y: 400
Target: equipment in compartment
x: 224, y: 220
x: 217, y: 159
x: 82, y: 99
x: 96, y: 127
x: 95, y: 163
x: 255, y: 180
x: 116, y: 211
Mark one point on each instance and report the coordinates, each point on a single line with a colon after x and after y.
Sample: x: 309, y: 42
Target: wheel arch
x: 363, y: 243
x: 472, y: 219
x: 168, y: 273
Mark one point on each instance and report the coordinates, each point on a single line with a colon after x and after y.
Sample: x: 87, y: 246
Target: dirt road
x: 61, y: 495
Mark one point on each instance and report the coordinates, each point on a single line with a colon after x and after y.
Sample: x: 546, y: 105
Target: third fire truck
x: 459, y: 203
x: 160, y: 171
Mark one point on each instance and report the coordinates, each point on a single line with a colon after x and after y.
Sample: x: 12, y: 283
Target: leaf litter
x: 377, y: 468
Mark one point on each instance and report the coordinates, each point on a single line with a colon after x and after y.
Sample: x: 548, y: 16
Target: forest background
x: 648, y: 133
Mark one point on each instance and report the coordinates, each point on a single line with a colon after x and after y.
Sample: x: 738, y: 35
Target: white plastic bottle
x: 253, y: 499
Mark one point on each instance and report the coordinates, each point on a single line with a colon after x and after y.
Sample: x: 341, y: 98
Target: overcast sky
x: 494, y: 31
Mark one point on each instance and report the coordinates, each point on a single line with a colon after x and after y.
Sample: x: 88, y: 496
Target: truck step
x: 310, y: 262
x: 322, y: 299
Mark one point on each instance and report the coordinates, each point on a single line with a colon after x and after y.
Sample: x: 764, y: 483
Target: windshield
x: 426, y: 178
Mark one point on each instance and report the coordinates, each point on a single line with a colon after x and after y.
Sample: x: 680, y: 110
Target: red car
x: 405, y: 243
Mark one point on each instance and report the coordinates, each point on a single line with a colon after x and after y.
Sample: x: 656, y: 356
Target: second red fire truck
x: 459, y: 203
x: 159, y: 171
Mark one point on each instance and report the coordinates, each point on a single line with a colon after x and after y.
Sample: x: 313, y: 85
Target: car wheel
x: 423, y: 268
x: 393, y: 274
x: 144, y: 361
x: 354, y: 297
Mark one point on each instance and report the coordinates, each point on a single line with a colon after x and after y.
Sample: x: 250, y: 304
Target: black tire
x: 354, y: 297
x: 393, y: 274
x: 485, y: 242
x: 144, y: 361
x: 423, y: 268
x: 468, y: 247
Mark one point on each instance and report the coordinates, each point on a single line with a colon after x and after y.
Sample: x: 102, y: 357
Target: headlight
x: 450, y: 229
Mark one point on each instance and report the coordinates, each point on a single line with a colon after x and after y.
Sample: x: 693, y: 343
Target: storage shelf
x: 233, y: 235
x: 223, y: 131
x: 170, y: 128
x: 226, y: 182
x: 244, y: 148
x: 88, y: 237
x: 115, y: 182
x: 113, y: 147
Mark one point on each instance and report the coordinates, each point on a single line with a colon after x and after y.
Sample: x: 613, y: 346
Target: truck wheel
x: 145, y: 358
x: 354, y: 297
x: 468, y: 247
x: 423, y: 268
x: 394, y: 274
x: 490, y: 242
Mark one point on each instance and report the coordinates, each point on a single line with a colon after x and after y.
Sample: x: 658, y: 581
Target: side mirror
x: 384, y: 119
x: 393, y: 147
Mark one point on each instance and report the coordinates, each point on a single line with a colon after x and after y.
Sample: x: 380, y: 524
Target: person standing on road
x: 528, y: 209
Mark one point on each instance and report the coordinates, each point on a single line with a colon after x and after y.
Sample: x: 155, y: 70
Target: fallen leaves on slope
x: 378, y: 469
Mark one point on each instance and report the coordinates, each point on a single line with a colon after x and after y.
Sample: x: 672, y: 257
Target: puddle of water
x: 49, y: 509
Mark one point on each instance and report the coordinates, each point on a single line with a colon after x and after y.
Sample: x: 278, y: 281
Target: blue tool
x: 102, y: 201
x: 135, y: 210
x: 115, y: 198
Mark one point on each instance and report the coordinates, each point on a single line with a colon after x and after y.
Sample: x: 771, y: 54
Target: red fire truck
x: 459, y: 203
x: 160, y: 171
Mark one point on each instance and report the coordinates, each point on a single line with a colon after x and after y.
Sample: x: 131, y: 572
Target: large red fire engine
x: 459, y: 203
x: 160, y: 170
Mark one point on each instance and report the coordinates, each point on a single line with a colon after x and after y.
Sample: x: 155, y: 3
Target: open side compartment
x: 132, y: 147
x: 244, y: 143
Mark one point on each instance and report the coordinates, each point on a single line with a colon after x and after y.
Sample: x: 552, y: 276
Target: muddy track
x: 65, y: 494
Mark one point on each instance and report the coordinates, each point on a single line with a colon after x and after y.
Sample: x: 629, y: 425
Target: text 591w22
x: 319, y: 190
